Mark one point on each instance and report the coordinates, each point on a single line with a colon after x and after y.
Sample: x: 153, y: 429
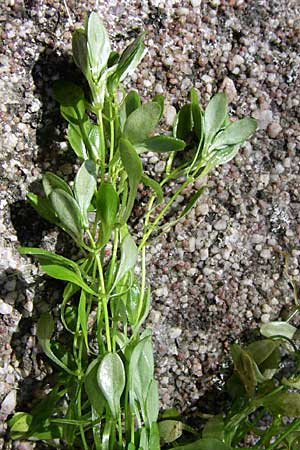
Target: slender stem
x: 112, y: 132
x: 143, y: 283
x: 104, y: 303
x: 113, y: 258
x: 85, y: 445
x: 163, y: 212
x: 102, y: 143
x: 288, y: 431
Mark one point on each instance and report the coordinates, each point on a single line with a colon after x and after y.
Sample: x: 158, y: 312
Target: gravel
x: 217, y: 274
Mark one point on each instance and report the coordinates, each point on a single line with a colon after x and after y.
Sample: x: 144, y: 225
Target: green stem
x: 85, y: 445
x: 281, y: 438
x: 113, y: 258
x: 103, y: 298
x: 102, y: 143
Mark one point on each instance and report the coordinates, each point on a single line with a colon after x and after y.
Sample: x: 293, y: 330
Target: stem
x: 104, y: 303
x: 85, y: 445
x: 163, y: 212
x: 113, y: 257
x: 143, y: 283
x: 281, y: 438
x: 102, y: 143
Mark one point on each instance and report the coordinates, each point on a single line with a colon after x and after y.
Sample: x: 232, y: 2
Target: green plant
x: 105, y: 395
x: 262, y: 396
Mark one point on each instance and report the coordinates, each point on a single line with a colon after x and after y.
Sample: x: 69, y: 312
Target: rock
x: 175, y: 332
x: 274, y: 130
x: 228, y: 87
x: 170, y: 114
x: 9, y: 403
x: 5, y: 308
x: 196, y: 3
x: 264, y: 118
x: 204, y: 254
x: 220, y: 225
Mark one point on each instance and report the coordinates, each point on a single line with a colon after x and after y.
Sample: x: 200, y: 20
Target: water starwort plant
x: 105, y: 396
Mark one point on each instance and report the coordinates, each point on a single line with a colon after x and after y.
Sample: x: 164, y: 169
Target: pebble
x: 204, y: 253
x: 169, y: 114
x: 220, y: 225
x: 9, y: 403
x: 175, y: 332
x: 5, y: 308
x: 229, y: 88
x: 264, y: 118
x: 274, y: 129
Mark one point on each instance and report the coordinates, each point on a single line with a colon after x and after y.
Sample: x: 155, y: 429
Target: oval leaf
x: 45, y: 327
x: 184, y: 122
x: 84, y: 187
x: 214, y: 116
x: 278, y: 329
x: 170, y: 430
x: 64, y: 274
x: 68, y: 212
x: 52, y: 181
x: 79, y: 50
x: 43, y: 206
x: 141, y: 122
x: 67, y: 93
x: 98, y: 45
x: 92, y: 388
x: 163, y: 144
x: 236, y: 133
x: 111, y: 380
x: 129, y: 255
x: 107, y: 203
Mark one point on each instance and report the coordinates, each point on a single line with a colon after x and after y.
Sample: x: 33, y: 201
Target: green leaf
x: 68, y: 212
x: 130, y: 58
x: 184, y: 123
x: 245, y: 367
x: 19, y: 425
x: 192, y: 201
x: 132, y: 302
x: 67, y: 93
x: 170, y: 430
x: 155, y: 186
x: 44, y: 257
x: 236, y: 133
x: 152, y: 403
x: 214, y: 428
x: 79, y: 51
x: 162, y: 144
x: 132, y: 102
x: 83, y: 318
x: 262, y: 350
x: 111, y: 380
x: 144, y: 443
x: 85, y: 186
x: 214, y: 116
x: 76, y: 141
x: 98, y: 45
x: 52, y: 182
x: 154, y: 439
x: 43, y: 206
x: 219, y: 157
x: 45, y: 326
x: 107, y: 203
x: 129, y: 255
x: 196, y: 114
x: 204, y: 444
x: 92, y: 388
x: 278, y: 328
x: 141, y: 122
x: 134, y: 170
x: 284, y: 403
x: 64, y: 274
x: 293, y: 382
x: 161, y: 101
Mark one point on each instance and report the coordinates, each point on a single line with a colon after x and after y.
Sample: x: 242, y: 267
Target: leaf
x: 134, y: 170
x: 19, y: 425
x: 79, y: 51
x: 67, y: 93
x: 162, y: 144
x: 278, y: 328
x: 219, y: 157
x: 74, y: 114
x: 107, y: 203
x: 85, y: 186
x: 192, y: 201
x: 44, y: 256
x: 154, y: 439
x: 68, y: 212
x: 293, y: 382
x: 214, y: 116
x: 92, y: 388
x: 204, y: 444
x: 214, y: 428
x: 132, y: 102
x: 170, y: 430
x: 145, y: 310
x: 236, y: 133
x: 141, y: 122
x: 152, y: 403
x: 284, y: 403
x: 52, y: 182
x: 98, y: 45
x: 262, y: 350
x: 43, y: 206
x: 196, y: 114
x: 155, y: 186
x: 161, y: 101
x: 83, y: 318
x: 143, y: 444
x: 45, y: 326
x: 111, y: 380
x: 64, y: 274
x: 184, y: 122
x: 130, y: 58
x: 76, y: 141
x: 245, y: 367
x: 129, y: 255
